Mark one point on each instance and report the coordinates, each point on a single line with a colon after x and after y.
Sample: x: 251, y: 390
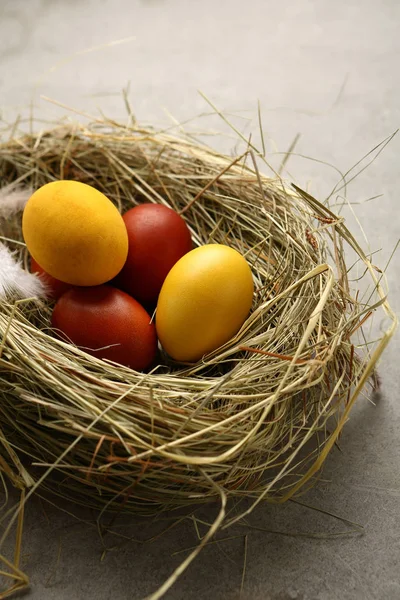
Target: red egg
x: 107, y: 323
x: 54, y: 287
x: 158, y: 238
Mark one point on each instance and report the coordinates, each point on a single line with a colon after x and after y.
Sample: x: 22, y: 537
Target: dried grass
x: 254, y: 419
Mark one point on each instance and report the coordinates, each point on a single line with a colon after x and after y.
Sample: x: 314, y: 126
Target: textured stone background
x: 328, y: 70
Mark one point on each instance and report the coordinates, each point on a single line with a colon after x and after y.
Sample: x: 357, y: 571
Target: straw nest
x: 254, y: 419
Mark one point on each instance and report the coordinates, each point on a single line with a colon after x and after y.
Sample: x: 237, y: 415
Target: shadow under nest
x: 257, y: 417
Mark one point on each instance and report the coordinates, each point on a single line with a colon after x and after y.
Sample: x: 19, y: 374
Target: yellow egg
x: 75, y: 233
x: 203, y: 302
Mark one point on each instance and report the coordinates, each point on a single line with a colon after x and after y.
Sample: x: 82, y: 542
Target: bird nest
x: 257, y: 417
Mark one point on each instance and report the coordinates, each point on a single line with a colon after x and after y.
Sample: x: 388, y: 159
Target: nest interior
x: 257, y: 417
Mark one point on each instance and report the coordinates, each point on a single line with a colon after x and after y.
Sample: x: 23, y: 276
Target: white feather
x: 13, y: 199
x: 15, y: 280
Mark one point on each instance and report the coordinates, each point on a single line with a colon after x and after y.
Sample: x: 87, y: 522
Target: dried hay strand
x: 257, y: 417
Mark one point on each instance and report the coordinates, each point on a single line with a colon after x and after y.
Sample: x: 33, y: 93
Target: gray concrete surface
x: 330, y: 71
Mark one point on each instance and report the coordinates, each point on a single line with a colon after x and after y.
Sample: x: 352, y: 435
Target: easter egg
x: 54, y: 287
x: 204, y: 301
x: 107, y: 323
x: 75, y: 233
x: 158, y: 238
